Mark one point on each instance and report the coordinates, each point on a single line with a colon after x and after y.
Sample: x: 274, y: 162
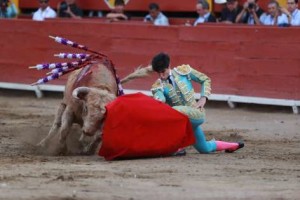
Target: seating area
x: 133, y: 5
x: 139, y: 5
x: 136, y: 8
x: 179, y: 12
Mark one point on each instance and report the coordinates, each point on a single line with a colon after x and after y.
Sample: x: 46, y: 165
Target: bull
x: 85, y: 96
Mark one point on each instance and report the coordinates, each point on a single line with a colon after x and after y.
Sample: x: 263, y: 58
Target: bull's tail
x: 138, y: 73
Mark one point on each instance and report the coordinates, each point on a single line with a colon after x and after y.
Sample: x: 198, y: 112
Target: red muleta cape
x: 138, y: 126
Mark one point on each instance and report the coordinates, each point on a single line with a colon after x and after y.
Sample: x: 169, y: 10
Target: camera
x: 148, y: 19
x: 63, y: 6
x: 251, y: 5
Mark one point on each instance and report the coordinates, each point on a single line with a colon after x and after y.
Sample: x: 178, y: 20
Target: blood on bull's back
x: 97, y: 75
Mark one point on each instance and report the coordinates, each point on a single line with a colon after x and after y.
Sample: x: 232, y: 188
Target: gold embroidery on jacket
x: 183, y: 69
x: 184, y: 92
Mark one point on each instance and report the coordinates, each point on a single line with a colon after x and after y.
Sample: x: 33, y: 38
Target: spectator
x: 202, y: 8
x: 44, y: 11
x: 69, y: 9
x: 155, y: 16
x: 230, y: 12
x: 274, y: 16
x: 292, y: 7
x: 8, y: 9
x: 118, y: 13
x: 250, y: 13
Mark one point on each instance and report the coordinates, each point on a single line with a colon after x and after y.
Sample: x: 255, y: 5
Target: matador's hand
x: 200, y: 104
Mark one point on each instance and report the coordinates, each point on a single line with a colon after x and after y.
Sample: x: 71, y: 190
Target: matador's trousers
x: 197, y: 117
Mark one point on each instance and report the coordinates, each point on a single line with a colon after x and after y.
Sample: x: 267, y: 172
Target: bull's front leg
x: 92, y: 146
x: 67, y: 121
x: 55, y: 126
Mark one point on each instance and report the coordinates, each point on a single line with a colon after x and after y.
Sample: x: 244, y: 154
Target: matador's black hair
x: 160, y: 62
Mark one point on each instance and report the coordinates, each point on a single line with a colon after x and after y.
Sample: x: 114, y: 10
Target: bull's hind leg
x: 55, y: 126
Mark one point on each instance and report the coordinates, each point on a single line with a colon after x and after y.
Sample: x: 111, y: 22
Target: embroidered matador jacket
x: 180, y: 93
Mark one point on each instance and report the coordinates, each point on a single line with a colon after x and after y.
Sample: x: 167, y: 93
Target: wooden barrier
x: 243, y: 61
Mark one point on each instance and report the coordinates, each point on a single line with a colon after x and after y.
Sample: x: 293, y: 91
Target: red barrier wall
x: 241, y: 60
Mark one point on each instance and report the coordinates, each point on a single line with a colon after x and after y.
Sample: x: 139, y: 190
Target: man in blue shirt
x: 292, y: 7
x: 275, y: 16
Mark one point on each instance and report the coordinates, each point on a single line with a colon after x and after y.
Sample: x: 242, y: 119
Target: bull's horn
x: 80, y: 92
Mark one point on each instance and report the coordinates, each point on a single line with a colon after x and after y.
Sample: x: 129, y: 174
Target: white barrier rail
x: 230, y: 99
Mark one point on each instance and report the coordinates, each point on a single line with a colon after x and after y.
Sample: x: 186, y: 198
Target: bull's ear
x: 80, y: 93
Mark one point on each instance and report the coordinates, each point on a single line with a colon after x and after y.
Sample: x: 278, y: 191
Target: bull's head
x: 93, y: 113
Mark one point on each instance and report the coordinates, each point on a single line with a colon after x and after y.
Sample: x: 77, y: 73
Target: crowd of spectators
x: 250, y: 13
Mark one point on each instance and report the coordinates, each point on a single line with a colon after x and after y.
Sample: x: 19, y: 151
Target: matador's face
x: 164, y: 74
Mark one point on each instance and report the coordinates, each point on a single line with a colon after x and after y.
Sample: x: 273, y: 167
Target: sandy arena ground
x: 267, y: 168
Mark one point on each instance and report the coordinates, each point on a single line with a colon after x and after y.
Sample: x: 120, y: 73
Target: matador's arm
x: 157, y: 91
x: 204, y: 80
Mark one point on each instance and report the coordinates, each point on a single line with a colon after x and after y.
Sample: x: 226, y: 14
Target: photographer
x: 230, y: 12
x: 8, y: 9
x: 69, y: 9
x: 250, y: 13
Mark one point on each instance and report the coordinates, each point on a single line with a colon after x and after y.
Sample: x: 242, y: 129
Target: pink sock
x: 226, y: 145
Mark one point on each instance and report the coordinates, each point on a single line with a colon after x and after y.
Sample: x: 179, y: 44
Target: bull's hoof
x: 91, y: 148
x: 62, y: 149
x: 88, y: 150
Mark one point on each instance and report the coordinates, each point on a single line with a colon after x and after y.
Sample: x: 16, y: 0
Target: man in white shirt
x: 292, y: 7
x: 44, y: 11
x: 274, y: 17
x: 155, y: 16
